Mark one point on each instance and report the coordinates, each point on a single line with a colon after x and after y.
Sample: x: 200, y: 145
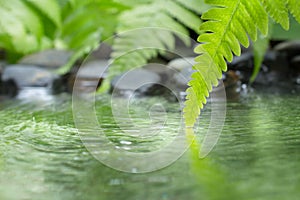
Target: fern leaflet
x: 229, y: 23
x: 154, y: 23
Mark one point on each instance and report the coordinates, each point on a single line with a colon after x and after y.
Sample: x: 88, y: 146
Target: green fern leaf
x: 294, y: 7
x: 50, y: 8
x: 198, y: 6
x: 228, y: 24
x: 169, y: 15
x: 179, y: 12
x: 24, y: 15
x: 21, y: 25
x: 278, y: 11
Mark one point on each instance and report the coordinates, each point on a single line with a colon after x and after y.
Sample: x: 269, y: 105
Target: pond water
x: 257, y: 156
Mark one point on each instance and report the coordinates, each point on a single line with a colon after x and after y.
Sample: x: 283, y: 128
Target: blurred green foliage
x: 28, y: 26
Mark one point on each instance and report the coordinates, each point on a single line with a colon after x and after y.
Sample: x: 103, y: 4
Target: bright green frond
x: 190, y: 19
x: 278, y: 11
x: 228, y: 24
x: 294, y: 7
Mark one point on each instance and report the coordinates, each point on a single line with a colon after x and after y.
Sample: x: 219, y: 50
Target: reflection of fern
x: 228, y: 24
x: 172, y: 15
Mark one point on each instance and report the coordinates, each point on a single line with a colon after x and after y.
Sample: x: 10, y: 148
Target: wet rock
x: 182, y: 63
x: 8, y: 89
x: 163, y: 71
x: 88, y: 77
x: 232, y: 84
x: 181, y: 77
x: 49, y: 58
x: 28, y: 76
x: 179, y: 81
x: 140, y: 81
x: 102, y: 52
x: 245, y: 60
x: 295, y: 69
x: 291, y: 48
x: 181, y: 50
x: 243, y: 66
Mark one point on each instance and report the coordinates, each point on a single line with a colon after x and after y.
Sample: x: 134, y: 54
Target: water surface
x: 257, y: 155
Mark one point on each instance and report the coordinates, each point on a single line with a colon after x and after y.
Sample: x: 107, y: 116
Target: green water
x: 257, y: 155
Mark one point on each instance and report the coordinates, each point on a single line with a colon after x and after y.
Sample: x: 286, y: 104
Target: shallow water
x: 257, y: 155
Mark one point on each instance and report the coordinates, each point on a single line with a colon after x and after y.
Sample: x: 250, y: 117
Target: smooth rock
x: 289, y: 49
x: 288, y: 46
x: 140, y: 81
x: 88, y: 77
x: 295, y: 69
x: 180, y: 80
x: 181, y: 50
x: 28, y: 76
x: 93, y: 69
x: 243, y: 62
x: 182, y: 63
x: 163, y: 71
x: 102, y: 52
x: 49, y: 58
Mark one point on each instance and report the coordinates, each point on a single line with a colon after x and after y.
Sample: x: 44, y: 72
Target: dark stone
x: 181, y: 50
x: 102, y: 52
x: 138, y: 81
x: 179, y: 64
x: 163, y: 71
x: 179, y: 81
x: 49, y: 58
x: 232, y: 84
x: 243, y: 66
x: 8, y: 89
x: 291, y: 47
x: 88, y: 77
x: 28, y: 76
x: 295, y: 69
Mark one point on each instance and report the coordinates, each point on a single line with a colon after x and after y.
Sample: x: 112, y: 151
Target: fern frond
x: 294, y: 7
x: 166, y: 18
x: 227, y: 26
x: 278, y: 11
x: 83, y: 26
x: 198, y: 6
x: 230, y: 23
